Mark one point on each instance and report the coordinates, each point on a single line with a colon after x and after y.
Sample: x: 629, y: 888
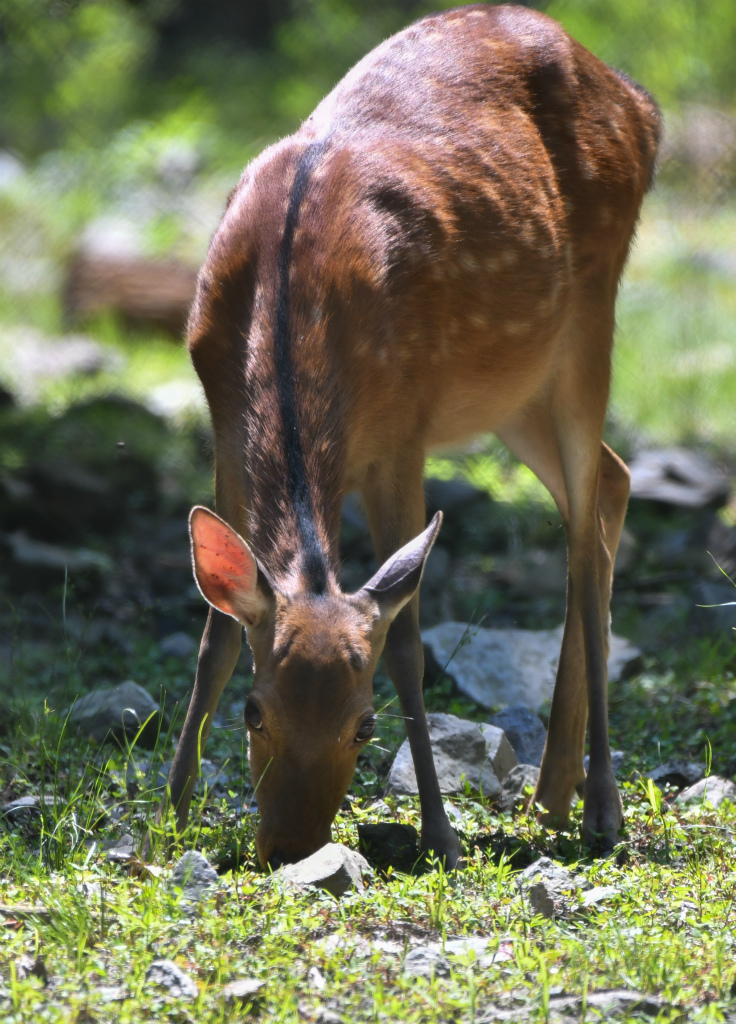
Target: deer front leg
x: 404, y: 660
x: 395, y: 505
x: 218, y: 654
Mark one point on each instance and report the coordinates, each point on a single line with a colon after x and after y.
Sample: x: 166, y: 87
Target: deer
x: 433, y: 255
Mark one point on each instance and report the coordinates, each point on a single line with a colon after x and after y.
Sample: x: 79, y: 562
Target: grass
x: 666, y: 930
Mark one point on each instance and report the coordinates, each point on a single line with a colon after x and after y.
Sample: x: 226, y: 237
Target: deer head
x: 310, y: 711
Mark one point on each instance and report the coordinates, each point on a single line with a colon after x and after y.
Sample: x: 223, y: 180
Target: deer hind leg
x: 218, y: 655
x: 590, y: 486
x: 395, y: 506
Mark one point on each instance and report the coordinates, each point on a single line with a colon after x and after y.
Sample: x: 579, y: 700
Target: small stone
x: 525, y: 732
x: 170, y: 976
x: 178, y: 645
x: 390, y: 844
x: 460, y: 752
x: 242, y: 991
x: 195, y: 876
x: 334, y: 868
x: 21, y: 809
x: 316, y: 979
x: 678, y: 774
x: 27, y: 966
x: 598, y: 894
x: 608, y: 1004
x: 426, y: 961
x: 112, y: 993
x: 121, y: 851
x: 540, y: 899
x: 499, y: 750
x: 117, y: 711
x: 713, y: 790
x: 550, y: 871
x: 512, y: 790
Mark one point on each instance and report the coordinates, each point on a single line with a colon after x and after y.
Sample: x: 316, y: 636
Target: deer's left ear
x: 397, y: 580
x: 226, y: 570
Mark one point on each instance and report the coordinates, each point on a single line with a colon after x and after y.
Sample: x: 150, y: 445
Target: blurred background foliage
x: 72, y: 74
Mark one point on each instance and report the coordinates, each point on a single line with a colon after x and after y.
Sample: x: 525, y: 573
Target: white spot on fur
x: 516, y: 327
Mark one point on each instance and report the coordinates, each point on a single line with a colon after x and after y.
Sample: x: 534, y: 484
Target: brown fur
x: 453, y: 271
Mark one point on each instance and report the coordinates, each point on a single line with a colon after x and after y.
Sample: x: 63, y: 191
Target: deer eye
x: 366, y: 730
x: 252, y: 715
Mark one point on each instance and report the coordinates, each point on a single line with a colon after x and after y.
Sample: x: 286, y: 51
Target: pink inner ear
x: 223, y: 566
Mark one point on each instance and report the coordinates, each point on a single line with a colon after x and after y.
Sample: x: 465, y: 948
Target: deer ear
x: 226, y: 570
x: 397, y: 580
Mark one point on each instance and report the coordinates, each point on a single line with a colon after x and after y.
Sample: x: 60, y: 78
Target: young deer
x: 433, y: 255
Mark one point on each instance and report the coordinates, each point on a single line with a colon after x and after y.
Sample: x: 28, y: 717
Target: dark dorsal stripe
x: 314, y: 562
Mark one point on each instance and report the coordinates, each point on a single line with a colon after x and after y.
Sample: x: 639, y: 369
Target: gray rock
x: 617, y: 761
x: 598, y: 894
x: 21, y: 809
x: 499, y: 750
x: 243, y: 990
x: 389, y: 843
x: 117, y: 711
x: 547, y: 870
x: 334, y: 868
x: 541, y: 899
x: 425, y: 961
x: 677, y: 773
x: 179, y: 645
x: 713, y: 790
x: 677, y: 476
x: 112, y: 993
x: 171, y: 977
x: 38, y: 554
x: 195, y: 876
x: 525, y: 732
x: 460, y: 753
x: 507, y: 666
x: 121, y: 851
x: 512, y: 790
x: 608, y: 1004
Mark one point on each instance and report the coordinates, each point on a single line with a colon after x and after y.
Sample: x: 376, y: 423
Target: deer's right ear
x: 226, y: 570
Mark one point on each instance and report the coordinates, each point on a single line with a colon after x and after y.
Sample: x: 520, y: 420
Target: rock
x: 389, y: 844
x: 677, y: 476
x: 541, y: 900
x: 11, y: 170
x: 617, y: 761
x: 117, y: 711
x: 713, y: 790
x: 195, y: 876
x: 512, y: 790
x: 334, y: 868
x: 179, y: 645
x: 499, y: 750
x: 55, y: 560
x: 460, y: 753
x: 548, y: 870
x: 111, y: 993
x: 170, y: 976
x: 608, y: 1004
x: 425, y: 961
x: 677, y: 774
x: 525, y: 732
x: 20, y: 810
x: 244, y: 990
x: 27, y: 966
x: 120, y: 851
x: 598, y: 894
x: 316, y: 979
x: 507, y: 666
